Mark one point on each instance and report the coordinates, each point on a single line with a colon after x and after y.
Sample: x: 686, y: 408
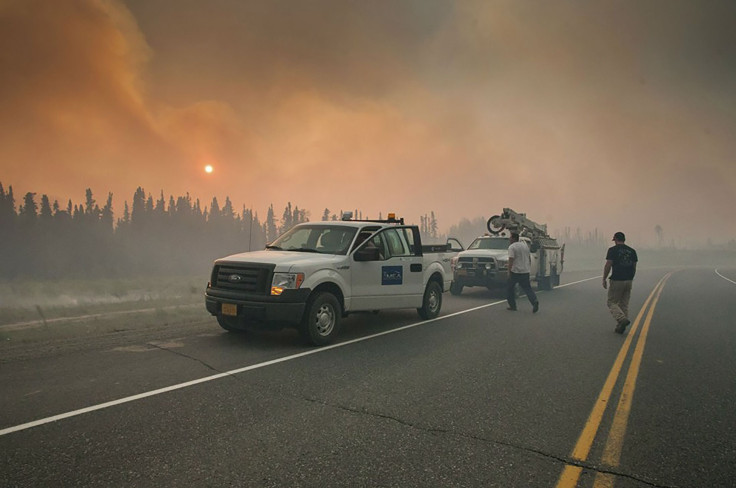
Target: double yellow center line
x: 614, y: 444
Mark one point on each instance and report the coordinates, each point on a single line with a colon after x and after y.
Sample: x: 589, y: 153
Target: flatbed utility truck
x: 485, y: 262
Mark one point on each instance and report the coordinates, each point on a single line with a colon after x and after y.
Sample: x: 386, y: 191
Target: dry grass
x: 51, y: 301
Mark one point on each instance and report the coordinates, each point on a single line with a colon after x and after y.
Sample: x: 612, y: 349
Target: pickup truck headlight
x: 286, y: 281
x: 503, y: 264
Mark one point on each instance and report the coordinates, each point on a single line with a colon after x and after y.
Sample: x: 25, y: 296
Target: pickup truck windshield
x: 322, y: 238
x: 485, y: 243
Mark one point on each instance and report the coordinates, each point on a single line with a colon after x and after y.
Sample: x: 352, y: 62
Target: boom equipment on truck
x: 485, y: 262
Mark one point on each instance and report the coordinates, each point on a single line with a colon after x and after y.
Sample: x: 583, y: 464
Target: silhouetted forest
x: 177, y: 236
x: 40, y: 239
x: 174, y: 236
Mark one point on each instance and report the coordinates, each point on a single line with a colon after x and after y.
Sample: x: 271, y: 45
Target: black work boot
x: 622, y: 324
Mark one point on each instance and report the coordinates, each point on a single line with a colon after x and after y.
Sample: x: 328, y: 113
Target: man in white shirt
x: 520, y: 264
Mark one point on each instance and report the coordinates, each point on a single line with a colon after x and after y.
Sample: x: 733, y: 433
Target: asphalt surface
x: 478, y: 397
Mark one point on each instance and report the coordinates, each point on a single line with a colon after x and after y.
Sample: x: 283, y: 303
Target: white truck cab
x: 318, y: 272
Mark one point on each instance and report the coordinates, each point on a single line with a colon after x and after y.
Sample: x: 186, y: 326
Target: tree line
x: 174, y: 236
x: 178, y: 236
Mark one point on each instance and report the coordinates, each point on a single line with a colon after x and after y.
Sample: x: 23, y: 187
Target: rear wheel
x: 321, y: 322
x: 432, y: 302
x: 545, y: 283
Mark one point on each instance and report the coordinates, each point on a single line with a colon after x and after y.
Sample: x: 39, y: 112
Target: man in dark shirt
x: 622, y: 260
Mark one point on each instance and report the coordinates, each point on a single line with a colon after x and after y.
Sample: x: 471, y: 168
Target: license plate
x: 229, y: 309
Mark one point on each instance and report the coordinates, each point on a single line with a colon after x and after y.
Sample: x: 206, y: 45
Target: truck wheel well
x: 335, y: 290
x: 438, y: 278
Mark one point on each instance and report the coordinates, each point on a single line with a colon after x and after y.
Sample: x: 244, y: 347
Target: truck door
x: 394, y: 280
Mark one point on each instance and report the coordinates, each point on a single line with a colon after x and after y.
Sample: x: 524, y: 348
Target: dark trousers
x: 523, y: 280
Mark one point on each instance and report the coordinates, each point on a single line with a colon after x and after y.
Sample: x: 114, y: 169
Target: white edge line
x: 719, y: 274
x: 179, y: 386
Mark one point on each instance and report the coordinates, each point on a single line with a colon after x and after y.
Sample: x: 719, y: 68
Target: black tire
x: 492, y: 227
x: 230, y: 324
x: 321, y: 322
x: 432, y: 301
x: 456, y: 288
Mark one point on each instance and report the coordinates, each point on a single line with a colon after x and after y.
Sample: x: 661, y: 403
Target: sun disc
x: 208, y: 168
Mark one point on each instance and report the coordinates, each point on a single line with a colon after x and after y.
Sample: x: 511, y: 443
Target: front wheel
x: 230, y: 324
x: 432, y: 302
x: 456, y: 288
x: 321, y: 322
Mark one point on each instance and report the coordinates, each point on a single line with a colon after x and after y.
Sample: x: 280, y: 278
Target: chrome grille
x: 240, y: 278
x: 476, y: 263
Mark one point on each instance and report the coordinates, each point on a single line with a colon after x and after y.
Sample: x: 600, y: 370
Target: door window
x: 396, y: 243
x: 378, y: 242
x: 390, y: 243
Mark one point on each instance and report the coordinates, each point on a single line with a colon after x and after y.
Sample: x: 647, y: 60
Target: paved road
x: 479, y: 397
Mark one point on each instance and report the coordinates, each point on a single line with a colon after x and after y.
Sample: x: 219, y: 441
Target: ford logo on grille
x: 235, y: 278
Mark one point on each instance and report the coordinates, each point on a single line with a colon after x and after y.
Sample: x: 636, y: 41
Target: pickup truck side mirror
x: 367, y: 254
x: 453, y: 245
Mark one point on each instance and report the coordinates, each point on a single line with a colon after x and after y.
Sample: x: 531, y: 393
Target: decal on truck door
x: 392, y: 275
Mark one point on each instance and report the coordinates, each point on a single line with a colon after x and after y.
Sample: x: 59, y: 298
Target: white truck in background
x: 485, y: 262
x: 319, y: 272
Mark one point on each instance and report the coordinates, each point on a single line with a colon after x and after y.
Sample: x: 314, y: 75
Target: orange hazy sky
x: 616, y: 115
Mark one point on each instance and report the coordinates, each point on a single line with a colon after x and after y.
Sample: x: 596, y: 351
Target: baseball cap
x: 619, y: 236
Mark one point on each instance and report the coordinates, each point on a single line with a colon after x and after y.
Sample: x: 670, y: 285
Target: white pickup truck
x: 318, y: 272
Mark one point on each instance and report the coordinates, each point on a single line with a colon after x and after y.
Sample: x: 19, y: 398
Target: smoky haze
x: 595, y: 115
